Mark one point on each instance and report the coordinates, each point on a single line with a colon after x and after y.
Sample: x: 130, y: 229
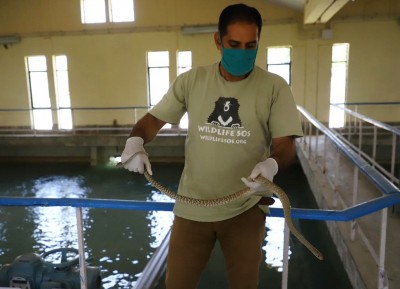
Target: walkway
x: 333, y: 180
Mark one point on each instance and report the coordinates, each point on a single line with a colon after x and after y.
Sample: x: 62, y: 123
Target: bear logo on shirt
x: 226, y: 113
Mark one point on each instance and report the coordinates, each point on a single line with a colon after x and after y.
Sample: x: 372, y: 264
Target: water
x: 121, y: 242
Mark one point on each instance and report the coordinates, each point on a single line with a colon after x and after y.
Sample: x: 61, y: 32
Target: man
x: 242, y: 122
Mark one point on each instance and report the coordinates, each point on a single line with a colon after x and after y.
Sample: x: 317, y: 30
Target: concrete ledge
x: 85, y: 148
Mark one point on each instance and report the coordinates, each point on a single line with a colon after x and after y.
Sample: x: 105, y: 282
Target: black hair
x: 238, y: 13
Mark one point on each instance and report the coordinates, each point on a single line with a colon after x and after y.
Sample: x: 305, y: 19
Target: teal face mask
x: 238, y: 62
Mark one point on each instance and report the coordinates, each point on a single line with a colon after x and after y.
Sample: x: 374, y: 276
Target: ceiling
x: 315, y: 11
x: 293, y: 4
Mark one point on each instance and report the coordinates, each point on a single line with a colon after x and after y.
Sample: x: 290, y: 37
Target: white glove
x: 134, y: 158
x: 266, y: 169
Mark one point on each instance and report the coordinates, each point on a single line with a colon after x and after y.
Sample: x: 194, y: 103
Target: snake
x: 271, y: 187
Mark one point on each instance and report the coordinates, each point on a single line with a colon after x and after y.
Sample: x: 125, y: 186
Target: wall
x: 107, y: 62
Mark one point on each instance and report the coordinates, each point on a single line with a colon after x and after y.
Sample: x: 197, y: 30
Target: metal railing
x: 114, y: 119
x: 311, y: 214
x: 356, y: 132
x: 81, y: 119
x: 314, y: 144
x: 313, y: 129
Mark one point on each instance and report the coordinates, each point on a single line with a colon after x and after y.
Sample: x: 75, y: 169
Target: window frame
x: 151, y: 101
x: 184, y: 123
x: 333, y: 123
x: 106, y: 7
x: 39, y: 112
x: 64, y: 112
x: 280, y: 64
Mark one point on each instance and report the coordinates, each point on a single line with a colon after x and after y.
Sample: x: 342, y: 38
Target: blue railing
x: 342, y: 189
x: 391, y: 194
x: 384, y: 185
x: 297, y: 213
x: 376, y: 131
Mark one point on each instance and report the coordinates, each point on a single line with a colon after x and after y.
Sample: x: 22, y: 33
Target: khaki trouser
x: 192, y: 242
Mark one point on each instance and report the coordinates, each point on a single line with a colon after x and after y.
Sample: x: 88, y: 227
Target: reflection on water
x: 56, y: 226
x: 121, y: 242
x: 160, y: 221
x: 274, y: 240
x: 2, y: 232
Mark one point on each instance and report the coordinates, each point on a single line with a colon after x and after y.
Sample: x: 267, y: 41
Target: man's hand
x: 134, y: 157
x: 266, y: 169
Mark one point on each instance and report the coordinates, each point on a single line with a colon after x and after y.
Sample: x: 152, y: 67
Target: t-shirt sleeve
x: 172, y: 106
x: 284, y: 117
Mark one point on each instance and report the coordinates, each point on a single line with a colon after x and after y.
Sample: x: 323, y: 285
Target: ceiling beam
x: 321, y: 11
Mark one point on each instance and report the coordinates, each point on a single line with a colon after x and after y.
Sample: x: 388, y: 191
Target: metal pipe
x: 355, y: 197
x: 374, y: 145
x: 345, y: 215
x: 335, y: 182
x: 382, y: 250
x: 316, y: 145
x: 384, y: 185
x: 285, y: 267
x: 81, y: 246
x: 393, y: 158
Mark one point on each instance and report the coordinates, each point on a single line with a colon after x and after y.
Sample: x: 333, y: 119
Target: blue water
x: 121, y: 242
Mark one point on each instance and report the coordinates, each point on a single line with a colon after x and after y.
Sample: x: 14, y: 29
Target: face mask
x: 238, y: 62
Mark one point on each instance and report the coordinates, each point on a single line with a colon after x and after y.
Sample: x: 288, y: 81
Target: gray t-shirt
x: 231, y: 125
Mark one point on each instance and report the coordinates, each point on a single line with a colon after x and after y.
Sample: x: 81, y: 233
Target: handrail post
x: 374, y: 145
x: 349, y: 121
x: 382, y: 251
x: 285, y: 267
x: 316, y: 145
x: 309, y: 140
x: 393, y: 159
x: 360, y: 135
x: 81, y: 246
x: 324, y: 155
x: 336, y: 180
x: 135, y: 116
x: 303, y: 139
x: 73, y: 120
x: 355, y: 121
x: 355, y: 196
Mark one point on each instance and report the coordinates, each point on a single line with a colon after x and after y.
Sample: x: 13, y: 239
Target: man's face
x: 240, y: 35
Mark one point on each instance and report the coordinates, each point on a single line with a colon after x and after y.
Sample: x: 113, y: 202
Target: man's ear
x: 217, y: 40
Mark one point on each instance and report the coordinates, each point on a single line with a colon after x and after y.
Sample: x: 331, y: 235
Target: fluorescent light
x: 199, y: 29
x: 9, y: 39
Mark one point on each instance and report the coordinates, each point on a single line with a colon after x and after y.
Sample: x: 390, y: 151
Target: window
x: 158, y: 75
x: 279, y: 61
x: 121, y: 11
x: 184, y: 59
x: 62, y: 91
x: 42, y: 116
x: 93, y: 11
x: 340, y: 58
x: 98, y: 11
x: 39, y: 92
